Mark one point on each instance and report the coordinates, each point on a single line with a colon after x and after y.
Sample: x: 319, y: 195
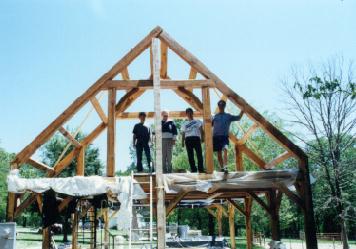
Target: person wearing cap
x: 141, y: 139
x: 192, y: 137
x: 169, y: 136
x: 221, y: 126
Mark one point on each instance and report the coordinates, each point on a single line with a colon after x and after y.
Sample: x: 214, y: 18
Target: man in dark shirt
x: 141, y: 139
x: 221, y: 126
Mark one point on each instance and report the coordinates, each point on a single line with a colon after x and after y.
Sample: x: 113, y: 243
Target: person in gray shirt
x: 221, y: 125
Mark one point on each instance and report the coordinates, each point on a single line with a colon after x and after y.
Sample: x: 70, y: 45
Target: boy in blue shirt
x: 221, y: 125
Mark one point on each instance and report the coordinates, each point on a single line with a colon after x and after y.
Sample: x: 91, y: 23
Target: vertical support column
x: 231, y: 210
x: 75, y: 229
x: 248, y: 207
x: 46, y: 238
x: 238, y: 158
x: 161, y: 210
x: 81, y: 162
x: 106, y: 228
x: 309, y: 222
x: 209, y: 160
x: 219, y: 215
x: 110, y: 168
x: 274, y: 215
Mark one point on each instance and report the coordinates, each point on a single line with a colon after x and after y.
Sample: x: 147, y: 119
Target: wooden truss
x: 133, y: 89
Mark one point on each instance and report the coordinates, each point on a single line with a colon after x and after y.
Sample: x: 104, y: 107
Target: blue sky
x: 52, y: 51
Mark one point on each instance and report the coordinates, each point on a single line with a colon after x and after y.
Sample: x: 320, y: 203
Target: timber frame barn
x: 159, y: 42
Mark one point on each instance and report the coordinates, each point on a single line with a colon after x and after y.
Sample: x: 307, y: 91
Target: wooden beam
x: 208, y: 139
x: 161, y: 218
x: 164, y: 59
x: 237, y: 206
x: 294, y: 197
x: 148, y: 84
x: 64, y: 203
x: 253, y: 156
x: 279, y: 159
x: 28, y: 201
x: 190, y: 98
x: 65, y: 162
x: 236, y: 99
x: 211, y: 212
x: 219, y: 215
x: 172, y: 115
x: 260, y: 201
x: 111, y: 135
x: 75, y: 230
x: 39, y: 202
x: 274, y: 215
x: 247, y: 135
x: 231, y: 210
x: 46, y: 238
x: 173, y: 203
x: 128, y: 99
x: 84, y: 98
x: 69, y: 136
x: 238, y: 159
x: 192, y: 73
x: 248, y: 208
x: 81, y: 162
x: 40, y: 166
x: 125, y: 74
x: 98, y: 109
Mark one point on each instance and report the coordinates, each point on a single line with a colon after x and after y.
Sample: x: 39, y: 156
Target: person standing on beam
x: 192, y: 137
x: 221, y: 126
x: 141, y: 139
x: 169, y: 136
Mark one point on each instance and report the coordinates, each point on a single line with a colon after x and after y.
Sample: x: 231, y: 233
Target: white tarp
x: 174, y: 183
x: 76, y: 185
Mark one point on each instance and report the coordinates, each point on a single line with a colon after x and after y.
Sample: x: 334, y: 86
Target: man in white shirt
x: 192, y: 137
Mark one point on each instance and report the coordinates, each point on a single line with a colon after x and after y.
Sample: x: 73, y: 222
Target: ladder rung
x: 141, y: 182
x: 140, y: 229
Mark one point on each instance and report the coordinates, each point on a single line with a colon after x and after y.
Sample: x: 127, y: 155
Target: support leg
x: 248, y: 207
x: 231, y: 210
x: 309, y: 222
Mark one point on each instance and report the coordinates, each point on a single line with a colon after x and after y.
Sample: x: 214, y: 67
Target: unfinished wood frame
x: 183, y: 88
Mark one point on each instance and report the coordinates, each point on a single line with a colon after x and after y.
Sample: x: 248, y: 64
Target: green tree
x: 322, y: 102
x: 5, y: 159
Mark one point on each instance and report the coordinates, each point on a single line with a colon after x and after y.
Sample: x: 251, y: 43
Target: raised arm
x: 237, y: 117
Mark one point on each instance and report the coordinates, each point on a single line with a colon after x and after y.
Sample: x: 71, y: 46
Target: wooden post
x: 46, y: 238
x: 161, y: 210
x: 219, y: 215
x: 81, y: 162
x: 309, y: 222
x: 238, y: 159
x: 110, y: 169
x: 248, y: 206
x: 75, y: 229
x: 231, y: 210
x: 209, y: 160
x: 106, y: 228
x: 274, y: 215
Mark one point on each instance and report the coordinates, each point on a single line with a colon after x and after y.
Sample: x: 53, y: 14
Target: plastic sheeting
x: 77, y: 185
x: 175, y: 183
